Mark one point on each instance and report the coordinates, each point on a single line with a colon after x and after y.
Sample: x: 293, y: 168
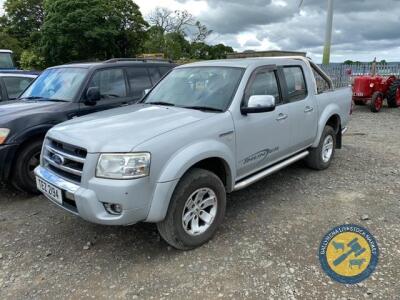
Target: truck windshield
x: 204, y: 88
x: 6, y: 61
x: 59, y: 84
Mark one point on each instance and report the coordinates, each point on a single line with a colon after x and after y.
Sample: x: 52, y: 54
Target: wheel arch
x: 209, y: 155
x: 331, y: 117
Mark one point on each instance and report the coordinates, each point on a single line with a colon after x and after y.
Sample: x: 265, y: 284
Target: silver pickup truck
x: 206, y: 129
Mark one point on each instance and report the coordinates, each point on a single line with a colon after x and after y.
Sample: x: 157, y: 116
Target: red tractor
x: 374, y: 89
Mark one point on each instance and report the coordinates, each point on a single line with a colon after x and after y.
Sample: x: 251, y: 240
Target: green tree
x: 30, y: 60
x: 91, y: 29
x: 220, y: 51
x: 155, y: 42
x: 11, y: 43
x: 176, y: 46
x: 23, y: 20
x: 348, y: 62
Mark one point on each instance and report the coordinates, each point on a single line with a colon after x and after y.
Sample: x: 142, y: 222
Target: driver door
x: 262, y: 138
x: 113, y: 87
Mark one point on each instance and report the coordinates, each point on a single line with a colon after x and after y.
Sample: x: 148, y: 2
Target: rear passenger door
x: 302, y: 107
x: 139, y: 81
x: 113, y: 87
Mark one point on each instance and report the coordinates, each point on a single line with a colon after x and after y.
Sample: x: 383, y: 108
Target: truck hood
x: 14, y: 109
x: 122, y: 129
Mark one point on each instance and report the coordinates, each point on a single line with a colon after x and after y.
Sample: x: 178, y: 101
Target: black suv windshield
x: 203, y: 88
x: 59, y: 84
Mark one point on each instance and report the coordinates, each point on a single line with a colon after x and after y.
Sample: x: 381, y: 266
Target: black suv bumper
x: 7, y: 154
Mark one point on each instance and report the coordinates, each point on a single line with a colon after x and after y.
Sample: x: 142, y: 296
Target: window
x: 16, y: 85
x: 6, y: 61
x: 155, y: 75
x: 264, y: 83
x: 295, y: 83
x: 164, y: 70
x: 111, y: 83
x: 139, y: 81
x: 207, y: 87
x: 322, y: 84
x: 57, y: 84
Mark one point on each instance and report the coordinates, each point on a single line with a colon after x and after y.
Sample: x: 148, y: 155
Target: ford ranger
x: 206, y: 129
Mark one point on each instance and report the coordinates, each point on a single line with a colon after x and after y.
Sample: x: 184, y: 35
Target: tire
x: 27, y: 159
x: 376, y: 103
x: 172, y: 229
x: 393, y: 94
x: 359, y: 102
x: 316, y: 159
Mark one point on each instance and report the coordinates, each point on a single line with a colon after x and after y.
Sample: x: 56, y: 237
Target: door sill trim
x: 268, y: 171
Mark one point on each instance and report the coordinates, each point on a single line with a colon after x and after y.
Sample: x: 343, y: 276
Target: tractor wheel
x: 376, y: 102
x: 359, y: 102
x: 393, y: 94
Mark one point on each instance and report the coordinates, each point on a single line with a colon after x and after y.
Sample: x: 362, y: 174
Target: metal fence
x: 342, y: 74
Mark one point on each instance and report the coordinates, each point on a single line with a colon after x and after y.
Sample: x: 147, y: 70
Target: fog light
x: 113, y: 208
x: 69, y: 196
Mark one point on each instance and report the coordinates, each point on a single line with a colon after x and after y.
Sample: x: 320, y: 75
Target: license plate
x: 49, y: 190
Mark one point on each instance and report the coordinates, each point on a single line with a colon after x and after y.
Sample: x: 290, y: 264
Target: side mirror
x: 92, y: 96
x: 259, y: 104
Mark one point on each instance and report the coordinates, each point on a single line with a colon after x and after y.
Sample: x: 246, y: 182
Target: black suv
x: 62, y: 93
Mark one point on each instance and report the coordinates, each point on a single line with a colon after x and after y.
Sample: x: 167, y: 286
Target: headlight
x: 3, y: 134
x: 123, y: 166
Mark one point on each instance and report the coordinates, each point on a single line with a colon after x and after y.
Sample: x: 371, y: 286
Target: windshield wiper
x: 31, y: 98
x: 43, y: 99
x: 206, y: 108
x: 160, y: 103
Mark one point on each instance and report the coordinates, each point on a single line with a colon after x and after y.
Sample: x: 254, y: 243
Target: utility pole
x: 328, y: 34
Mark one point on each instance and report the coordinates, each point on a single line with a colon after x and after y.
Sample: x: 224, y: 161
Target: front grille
x: 65, y: 160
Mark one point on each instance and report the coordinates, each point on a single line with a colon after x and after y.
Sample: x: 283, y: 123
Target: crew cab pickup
x: 61, y: 93
x: 206, y: 129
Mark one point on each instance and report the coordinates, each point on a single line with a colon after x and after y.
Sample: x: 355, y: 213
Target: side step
x: 258, y: 176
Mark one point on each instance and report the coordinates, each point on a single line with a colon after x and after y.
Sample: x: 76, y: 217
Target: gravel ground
x: 266, y: 248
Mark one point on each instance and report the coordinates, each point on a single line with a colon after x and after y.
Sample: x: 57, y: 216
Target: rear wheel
x: 393, y: 94
x: 23, y: 177
x: 320, y: 157
x: 376, y: 102
x: 196, y: 210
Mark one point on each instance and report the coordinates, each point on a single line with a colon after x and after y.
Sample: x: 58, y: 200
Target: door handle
x: 282, y: 117
x: 308, y: 109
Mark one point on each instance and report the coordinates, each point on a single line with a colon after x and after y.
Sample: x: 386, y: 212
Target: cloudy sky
x: 363, y: 29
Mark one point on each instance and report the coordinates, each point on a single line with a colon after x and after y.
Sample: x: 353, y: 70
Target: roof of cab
x: 245, y: 62
x: 5, y: 51
x: 25, y: 75
x: 113, y: 63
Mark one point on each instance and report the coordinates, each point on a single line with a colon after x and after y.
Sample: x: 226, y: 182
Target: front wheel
x: 320, y: 157
x: 23, y: 177
x: 376, y: 102
x: 196, y: 210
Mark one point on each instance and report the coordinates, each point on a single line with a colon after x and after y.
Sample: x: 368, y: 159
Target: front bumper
x: 135, y: 196
x: 7, y: 154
